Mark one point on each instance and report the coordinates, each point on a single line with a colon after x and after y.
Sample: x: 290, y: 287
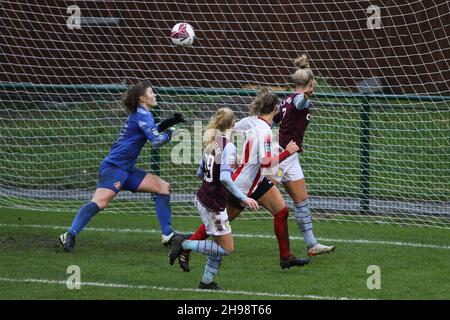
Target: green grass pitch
x: 121, y: 257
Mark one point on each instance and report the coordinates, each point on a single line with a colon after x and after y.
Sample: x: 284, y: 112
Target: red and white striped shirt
x: 257, y: 155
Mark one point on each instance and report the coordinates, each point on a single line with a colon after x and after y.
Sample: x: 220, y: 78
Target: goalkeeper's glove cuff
x: 173, y: 131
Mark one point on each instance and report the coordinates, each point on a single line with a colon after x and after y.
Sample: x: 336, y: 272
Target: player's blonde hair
x: 303, y: 75
x: 221, y: 122
x: 264, y: 103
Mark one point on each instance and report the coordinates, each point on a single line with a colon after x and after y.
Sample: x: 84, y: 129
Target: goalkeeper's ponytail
x: 221, y: 122
x: 132, y: 95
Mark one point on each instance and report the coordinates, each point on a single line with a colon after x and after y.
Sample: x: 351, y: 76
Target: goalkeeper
x: 118, y: 172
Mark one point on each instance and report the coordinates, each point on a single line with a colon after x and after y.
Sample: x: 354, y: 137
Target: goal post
x: 377, y: 148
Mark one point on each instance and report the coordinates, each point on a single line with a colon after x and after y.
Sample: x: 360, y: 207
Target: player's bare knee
x: 229, y: 247
x: 165, y: 188
x: 101, y: 204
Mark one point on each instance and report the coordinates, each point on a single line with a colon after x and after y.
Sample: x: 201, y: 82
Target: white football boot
x: 320, y: 249
x: 167, y: 240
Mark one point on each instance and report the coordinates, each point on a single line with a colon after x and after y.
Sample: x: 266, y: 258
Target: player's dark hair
x: 303, y: 75
x: 264, y: 103
x: 221, y: 122
x: 132, y: 95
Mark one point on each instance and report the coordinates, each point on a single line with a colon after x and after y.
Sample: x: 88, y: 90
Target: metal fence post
x: 364, y: 183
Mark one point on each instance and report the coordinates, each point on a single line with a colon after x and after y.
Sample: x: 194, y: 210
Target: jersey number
x: 283, y: 108
x: 209, y: 166
x: 122, y: 132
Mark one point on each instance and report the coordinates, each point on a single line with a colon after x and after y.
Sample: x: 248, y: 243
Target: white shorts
x: 289, y: 170
x: 216, y: 223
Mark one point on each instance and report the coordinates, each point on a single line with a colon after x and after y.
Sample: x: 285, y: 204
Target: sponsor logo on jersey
x: 267, y: 146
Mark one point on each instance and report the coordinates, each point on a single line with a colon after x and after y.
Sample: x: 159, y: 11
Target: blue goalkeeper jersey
x: 139, y: 127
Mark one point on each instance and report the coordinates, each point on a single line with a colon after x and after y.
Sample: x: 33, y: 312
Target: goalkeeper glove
x: 167, y: 123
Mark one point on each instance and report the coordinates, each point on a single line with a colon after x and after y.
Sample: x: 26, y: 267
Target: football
x: 183, y: 34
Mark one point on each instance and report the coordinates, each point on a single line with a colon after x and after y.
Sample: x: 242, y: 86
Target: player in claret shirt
x: 118, y: 172
x: 293, y: 118
x: 216, y: 168
x: 252, y: 177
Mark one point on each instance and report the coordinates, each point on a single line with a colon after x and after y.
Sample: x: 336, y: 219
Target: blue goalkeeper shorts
x: 113, y: 178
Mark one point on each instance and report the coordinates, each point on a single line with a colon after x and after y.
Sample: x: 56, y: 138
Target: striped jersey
x: 257, y: 145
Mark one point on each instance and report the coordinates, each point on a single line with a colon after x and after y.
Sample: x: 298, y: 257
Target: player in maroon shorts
x: 218, y: 162
x: 293, y: 118
x: 251, y: 179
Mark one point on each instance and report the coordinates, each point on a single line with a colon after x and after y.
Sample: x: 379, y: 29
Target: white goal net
x: 378, y: 145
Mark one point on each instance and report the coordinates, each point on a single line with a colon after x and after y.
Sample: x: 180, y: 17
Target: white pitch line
x: 146, y: 287
x: 239, y: 235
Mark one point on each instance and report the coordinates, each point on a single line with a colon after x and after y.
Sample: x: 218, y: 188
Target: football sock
x: 164, y: 214
x: 281, y: 231
x: 303, y: 218
x: 211, y: 268
x: 200, y: 234
x: 208, y: 247
x: 83, y: 217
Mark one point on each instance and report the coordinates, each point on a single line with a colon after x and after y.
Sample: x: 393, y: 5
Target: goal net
x: 378, y: 145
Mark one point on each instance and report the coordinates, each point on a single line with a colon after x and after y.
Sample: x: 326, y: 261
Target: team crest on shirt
x: 267, y: 144
x: 218, y: 225
x: 118, y: 185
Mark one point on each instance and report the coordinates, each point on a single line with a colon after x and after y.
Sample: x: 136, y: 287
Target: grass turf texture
x: 137, y: 258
